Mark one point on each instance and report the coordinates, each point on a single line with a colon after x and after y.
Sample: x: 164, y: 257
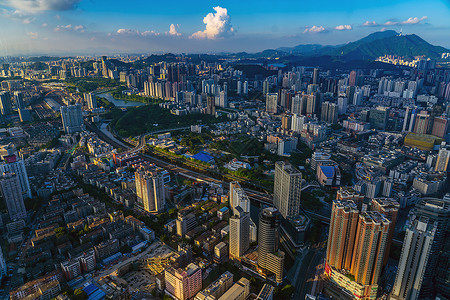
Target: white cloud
x: 44, y: 24
x: 79, y: 28
x: 370, y: 23
x: 35, y: 6
x: 343, y: 27
x: 218, y: 25
x: 124, y: 31
x: 69, y: 27
x: 174, y: 30
x: 28, y: 20
x: 314, y: 29
x: 32, y: 35
x: 414, y: 20
x: 390, y: 23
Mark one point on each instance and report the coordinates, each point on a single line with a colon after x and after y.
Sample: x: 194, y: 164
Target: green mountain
x: 388, y: 43
x: 372, y: 46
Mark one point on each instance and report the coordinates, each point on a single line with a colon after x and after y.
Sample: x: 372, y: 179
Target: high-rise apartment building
x: 12, y: 193
x: 370, y: 245
x: 342, y: 234
x: 287, y: 189
x: 150, y: 189
x: 329, y: 112
x: 91, y: 100
x: 238, y: 197
x: 440, y: 126
x: 16, y: 166
x: 422, y: 122
x: 414, y: 258
x: 272, y: 103
x: 72, y: 118
x: 186, y: 221
x: 389, y: 208
x: 378, y: 117
x: 185, y: 283
x: 239, y: 232
x: 355, y: 250
x: 270, y: 258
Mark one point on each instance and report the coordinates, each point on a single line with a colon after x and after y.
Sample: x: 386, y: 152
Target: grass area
x: 105, y: 103
x: 138, y: 120
x: 240, y: 145
x: 90, y: 84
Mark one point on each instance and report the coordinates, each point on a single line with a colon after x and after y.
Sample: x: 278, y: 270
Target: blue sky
x: 147, y: 26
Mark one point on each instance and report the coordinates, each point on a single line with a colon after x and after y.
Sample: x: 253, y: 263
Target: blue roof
x: 224, y: 209
x: 97, y: 295
x: 90, y: 289
x: 203, y: 156
x: 327, y: 170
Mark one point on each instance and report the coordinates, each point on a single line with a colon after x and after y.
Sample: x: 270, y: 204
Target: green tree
x: 79, y: 294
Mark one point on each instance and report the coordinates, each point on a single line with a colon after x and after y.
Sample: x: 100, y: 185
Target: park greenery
x: 89, y: 84
x: 151, y: 117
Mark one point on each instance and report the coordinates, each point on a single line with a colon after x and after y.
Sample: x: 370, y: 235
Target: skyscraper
x: 352, y: 78
x: 315, y: 78
x: 271, y: 103
x: 72, y: 118
x: 5, y: 103
x: 150, y: 189
x: 269, y: 257
x: 413, y: 260
x: 3, y: 269
x: 443, y: 159
x: 91, y: 100
x: 410, y: 119
x: 239, y: 232
x: 18, y: 97
x: 287, y: 189
x: 436, y: 210
x: 12, y: 193
x: 210, y: 106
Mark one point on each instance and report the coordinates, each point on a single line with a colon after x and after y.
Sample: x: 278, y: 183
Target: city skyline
x: 97, y: 27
